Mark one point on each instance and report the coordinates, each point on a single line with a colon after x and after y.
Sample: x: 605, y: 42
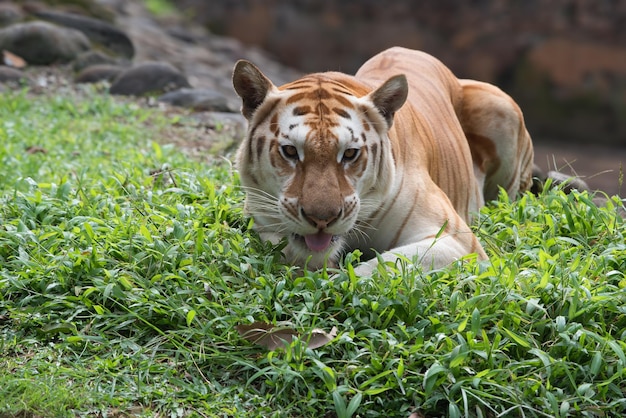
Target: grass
x: 125, y: 267
x: 160, y: 7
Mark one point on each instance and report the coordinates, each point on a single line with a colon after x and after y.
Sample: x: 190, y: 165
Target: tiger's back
x: 379, y: 161
x: 430, y: 137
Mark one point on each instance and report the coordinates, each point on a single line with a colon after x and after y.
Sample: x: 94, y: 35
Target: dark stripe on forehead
x: 323, y: 94
x: 342, y: 113
x: 302, y: 110
x: 322, y: 109
x: 316, y: 94
x: 341, y: 90
x: 274, y: 127
x: 344, y: 101
x: 297, y: 97
x: 298, y: 84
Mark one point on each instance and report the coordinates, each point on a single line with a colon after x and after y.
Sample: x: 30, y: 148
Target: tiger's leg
x: 430, y: 254
x: 501, y: 147
x: 434, y: 250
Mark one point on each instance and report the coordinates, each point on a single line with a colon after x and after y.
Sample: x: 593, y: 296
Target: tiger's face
x: 315, y: 154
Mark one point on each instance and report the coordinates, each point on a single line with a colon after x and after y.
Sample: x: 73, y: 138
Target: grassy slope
x: 125, y: 267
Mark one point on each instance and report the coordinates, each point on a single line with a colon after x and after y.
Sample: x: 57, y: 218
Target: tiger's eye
x: 350, y: 154
x: 290, y: 152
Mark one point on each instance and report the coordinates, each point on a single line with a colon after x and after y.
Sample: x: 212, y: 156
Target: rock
x: 91, y: 57
x: 149, y: 77
x: 41, y: 43
x: 9, y: 13
x: 568, y: 183
x: 197, y: 99
x: 96, y: 30
x: 11, y: 75
x: 100, y: 72
x: 100, y: 9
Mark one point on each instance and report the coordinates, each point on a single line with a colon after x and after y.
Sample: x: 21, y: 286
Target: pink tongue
x: 318, y: 242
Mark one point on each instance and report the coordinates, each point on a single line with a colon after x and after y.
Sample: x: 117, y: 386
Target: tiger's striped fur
x: 393, y: 160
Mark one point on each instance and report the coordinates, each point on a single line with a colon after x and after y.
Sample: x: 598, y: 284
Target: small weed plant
x: 126, y: 268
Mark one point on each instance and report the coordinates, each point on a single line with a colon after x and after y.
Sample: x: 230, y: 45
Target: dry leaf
x: 267, y: 335
x: 35, y: 149
x: 272, y: 337
x: 319, y: 337
x: 12, y: 60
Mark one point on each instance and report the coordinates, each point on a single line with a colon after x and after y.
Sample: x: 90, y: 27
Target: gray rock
x: 9, y: 13
x: 100, y: 72
x: 147, y: 78
x: 11, y: 75
x: 567, y: 182
x: 98, y: 31
x: 91, y: 57
x: 41, y: 43
x: 197, y: 99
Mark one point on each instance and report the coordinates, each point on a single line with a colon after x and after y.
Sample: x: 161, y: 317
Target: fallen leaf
x: 273, y: 337
x: 34, y: 149
x: 318, y: 337
x: 12, y: 60
x: 266, y: 335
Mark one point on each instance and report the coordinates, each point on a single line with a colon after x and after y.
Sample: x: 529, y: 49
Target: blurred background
x: 563, y: 61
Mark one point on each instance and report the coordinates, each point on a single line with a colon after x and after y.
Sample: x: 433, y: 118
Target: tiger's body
x: 393, y: 160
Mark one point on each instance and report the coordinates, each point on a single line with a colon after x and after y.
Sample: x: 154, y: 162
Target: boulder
x: 91, y: 57
x: 11, y: 75
x: 568, y: 183
x: 98, y: 31
x: 197, y: 99
x: 10, y: 13
x: 41, y: 43
x: 149, y: 78
x: 99, y: 72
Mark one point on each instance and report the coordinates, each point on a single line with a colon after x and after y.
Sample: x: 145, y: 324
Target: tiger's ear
x: 390, y: 97
x: 251, y: 85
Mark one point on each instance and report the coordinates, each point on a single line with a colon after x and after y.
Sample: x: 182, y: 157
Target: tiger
x: 394, y: 161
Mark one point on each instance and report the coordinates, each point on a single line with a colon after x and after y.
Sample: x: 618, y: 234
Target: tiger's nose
x: 321, y: 220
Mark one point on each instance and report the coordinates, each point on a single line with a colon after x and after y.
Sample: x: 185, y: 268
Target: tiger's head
x: 316, y: 157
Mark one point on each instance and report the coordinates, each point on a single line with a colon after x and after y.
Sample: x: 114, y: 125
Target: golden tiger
x: 393, y: 160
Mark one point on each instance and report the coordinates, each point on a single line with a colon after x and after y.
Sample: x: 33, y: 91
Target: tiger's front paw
x: 366, y: 268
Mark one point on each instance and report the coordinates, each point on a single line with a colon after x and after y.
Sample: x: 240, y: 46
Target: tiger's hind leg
x: 501, y: 147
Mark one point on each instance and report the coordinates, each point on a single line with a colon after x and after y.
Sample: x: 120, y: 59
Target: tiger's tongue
x: 318, y: 242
